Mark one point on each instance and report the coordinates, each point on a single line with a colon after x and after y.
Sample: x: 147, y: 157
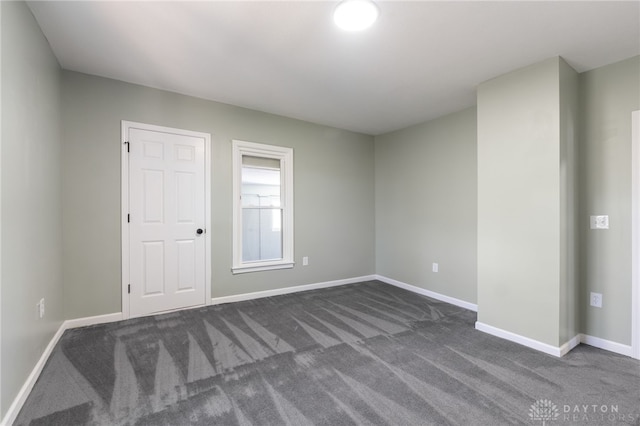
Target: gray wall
x: 333, y: 180
x: 522, y: 227
x: 608, y: 96
x: 569, y: 127
x: 426, y: 205
x: 31, y: 196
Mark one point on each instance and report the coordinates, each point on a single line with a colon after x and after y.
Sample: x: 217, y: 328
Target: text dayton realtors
x: 584, y: 412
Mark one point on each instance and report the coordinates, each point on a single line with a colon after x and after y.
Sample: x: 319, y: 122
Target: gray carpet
x: 361, y: 354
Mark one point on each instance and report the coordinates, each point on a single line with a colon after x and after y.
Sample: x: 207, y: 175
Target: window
x: 262, y: 207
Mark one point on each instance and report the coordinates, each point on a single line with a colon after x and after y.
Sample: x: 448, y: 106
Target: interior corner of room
x: 488, y: 207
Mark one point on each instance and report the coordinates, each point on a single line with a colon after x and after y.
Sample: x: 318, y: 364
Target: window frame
x: 285, y: 156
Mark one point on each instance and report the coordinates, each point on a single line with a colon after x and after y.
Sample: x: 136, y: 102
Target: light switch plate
x: 599, y: 222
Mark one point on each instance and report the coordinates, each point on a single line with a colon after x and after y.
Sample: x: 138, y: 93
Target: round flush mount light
x: 355, y: 15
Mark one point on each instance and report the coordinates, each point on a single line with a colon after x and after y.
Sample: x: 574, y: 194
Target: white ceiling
x: 421, y: 60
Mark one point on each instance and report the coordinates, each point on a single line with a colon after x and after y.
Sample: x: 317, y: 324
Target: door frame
x: 635, y: 234
x: 126, y: 125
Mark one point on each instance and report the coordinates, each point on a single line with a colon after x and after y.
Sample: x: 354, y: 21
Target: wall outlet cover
x: 596, y: 300
x: 434, y: 267
x: 599, y: 222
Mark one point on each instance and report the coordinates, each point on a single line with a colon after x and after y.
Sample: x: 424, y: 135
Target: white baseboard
x: 288, y: 290
x: 19, y: 400
x: 428, y: 293
x: 99, y: 319
x: 562, y: 350
x: 607, y: 345
x: 568, y: 346
x: 525, y: 341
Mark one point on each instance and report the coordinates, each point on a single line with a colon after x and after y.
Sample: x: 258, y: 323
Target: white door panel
x: 166, y: 207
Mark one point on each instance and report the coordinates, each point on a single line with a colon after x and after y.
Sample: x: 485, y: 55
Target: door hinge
x: 128, y: 218
x: 129, y: 289
x: 127, y: 144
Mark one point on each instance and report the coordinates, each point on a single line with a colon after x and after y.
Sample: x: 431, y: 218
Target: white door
x: 166, y: 220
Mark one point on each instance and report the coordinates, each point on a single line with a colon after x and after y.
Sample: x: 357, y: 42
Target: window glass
x: 261, y: 212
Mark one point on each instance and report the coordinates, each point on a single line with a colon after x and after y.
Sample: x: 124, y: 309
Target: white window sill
x: 261, y: 267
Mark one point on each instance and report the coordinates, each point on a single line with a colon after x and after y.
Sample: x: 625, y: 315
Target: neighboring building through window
x: 263, y: 207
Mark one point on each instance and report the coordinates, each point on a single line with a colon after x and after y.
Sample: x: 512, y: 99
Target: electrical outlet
x: 599, y: 222
x: 434, y: 267
x: 305, y: 261
x: 41, y: 308
x: 596, y: 300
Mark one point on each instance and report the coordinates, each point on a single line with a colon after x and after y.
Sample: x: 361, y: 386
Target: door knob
x: 199, y: 231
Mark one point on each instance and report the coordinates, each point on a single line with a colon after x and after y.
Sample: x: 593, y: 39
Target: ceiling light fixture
x: 355, y: 15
